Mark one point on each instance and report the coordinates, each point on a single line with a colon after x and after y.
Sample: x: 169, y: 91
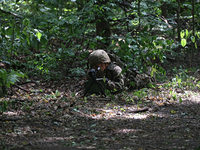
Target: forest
x: 44, y: 49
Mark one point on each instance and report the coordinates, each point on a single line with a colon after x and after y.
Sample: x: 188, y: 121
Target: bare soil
x: 63, y: 120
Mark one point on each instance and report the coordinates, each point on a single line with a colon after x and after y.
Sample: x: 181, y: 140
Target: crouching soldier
x: 100, y: 61
x: 114, y: 80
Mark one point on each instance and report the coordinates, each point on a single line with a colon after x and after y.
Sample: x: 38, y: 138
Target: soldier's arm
x: 118, y: 80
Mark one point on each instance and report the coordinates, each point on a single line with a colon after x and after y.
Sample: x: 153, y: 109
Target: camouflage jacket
x: 114, y: 76
x: 132, y: 78
x: 135, y: 80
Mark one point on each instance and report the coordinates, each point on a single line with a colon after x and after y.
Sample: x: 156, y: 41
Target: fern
x: 8, y: 78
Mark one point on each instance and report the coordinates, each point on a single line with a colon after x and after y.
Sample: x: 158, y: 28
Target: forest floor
x: 53, y: 115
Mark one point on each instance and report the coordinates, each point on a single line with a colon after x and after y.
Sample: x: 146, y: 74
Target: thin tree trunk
x: 13, y: 38
x: 127, y: 23
x: 164, y: 9
x: 138, y: 29
x: 103, y: 26
x: 179, y: 37
x: 193, y: 33
x: 139, y: 13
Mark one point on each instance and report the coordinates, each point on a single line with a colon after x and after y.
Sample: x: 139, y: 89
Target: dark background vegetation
x: 49, y: 41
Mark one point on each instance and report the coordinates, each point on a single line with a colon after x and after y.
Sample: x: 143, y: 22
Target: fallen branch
x: 21, y: 88
x: 138, y: 110
x: 28, y: 82
x: 100, y: 99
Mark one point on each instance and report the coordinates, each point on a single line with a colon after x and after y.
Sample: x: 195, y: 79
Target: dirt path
x: 46, y: 121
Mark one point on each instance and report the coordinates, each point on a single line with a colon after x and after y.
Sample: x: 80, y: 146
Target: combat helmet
x: 97, y: 57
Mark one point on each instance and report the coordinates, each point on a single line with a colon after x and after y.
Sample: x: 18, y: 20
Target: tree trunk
x: 179, y: 37
x: 193, y: 33
x: 103, y: 26
x: 164, y: 9
x: 139, y: 13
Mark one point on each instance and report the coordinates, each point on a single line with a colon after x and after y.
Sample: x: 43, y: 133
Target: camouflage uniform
x: 113, y: 73
x: 139, y: 80
x: 133, y: 79
x: 114, y: 76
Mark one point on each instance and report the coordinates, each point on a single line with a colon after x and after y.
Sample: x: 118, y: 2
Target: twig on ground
x: 138, y: 110
x: 21, y: 88
x: 28, y: 82
x: 100, y: 99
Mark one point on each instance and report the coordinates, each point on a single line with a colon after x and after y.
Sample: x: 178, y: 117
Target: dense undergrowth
x: 44, y: 46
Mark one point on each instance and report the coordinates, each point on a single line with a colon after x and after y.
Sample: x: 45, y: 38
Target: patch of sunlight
x: 114, y: 114
x: 127, y: 130
x: 194, y: 96
x: 10, y: 113
x: 136, y: 116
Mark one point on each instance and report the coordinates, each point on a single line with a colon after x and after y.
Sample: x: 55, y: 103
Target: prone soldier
x: 101, y: 63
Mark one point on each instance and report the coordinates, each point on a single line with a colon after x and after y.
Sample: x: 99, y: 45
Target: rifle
x: 94, y: 85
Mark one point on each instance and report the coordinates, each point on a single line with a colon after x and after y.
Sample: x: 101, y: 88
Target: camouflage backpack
x: 133, y: 79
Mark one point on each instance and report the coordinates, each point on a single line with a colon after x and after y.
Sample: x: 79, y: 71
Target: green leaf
x: 186, y: 33
x: 193, y: 39
x: 197, y: 33
x: 180, y: 100
x: 19, y: 74
x: 104, y: 79
x: 38, y: 34
x: 3, y: 74
x: 73, y: 94
x: 132, y: 83
x: 153, y: 71
x: 195, y: 45
x: 173, y: 111
x: 57, y: 94
x: 42, y: 9
x: 44, y: 40
x: 99, y: 38
x: 27, y: 22
x: 27, y: 38
x: 182, y: 34
x: 179, y: 80
x: 183, y: 42
x: 12, y: 77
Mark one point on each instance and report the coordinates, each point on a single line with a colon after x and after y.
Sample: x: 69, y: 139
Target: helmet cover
x: 98, y: 57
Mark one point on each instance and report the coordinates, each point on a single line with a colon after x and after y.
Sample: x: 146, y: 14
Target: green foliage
x: 3, y: 106
x: 7, y: 78
x: 180, y: 74
x: 78, y: 71
x: 49, y: 34
x: 140, y: 93
x: 185, y: 34
x: 130, y: 99
x: 11, y: 77
x: 54, y: 95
